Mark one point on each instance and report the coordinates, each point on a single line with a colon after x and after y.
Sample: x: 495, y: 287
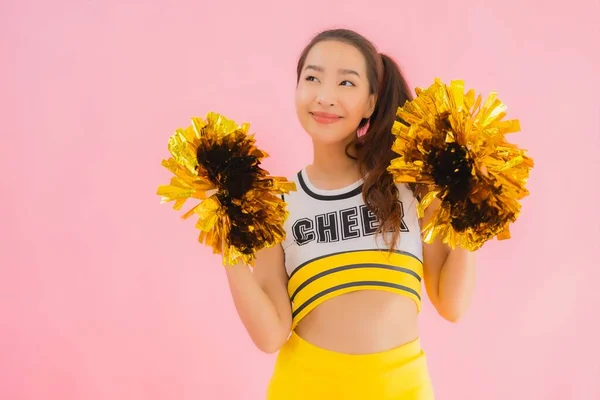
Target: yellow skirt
x: 306, y: 372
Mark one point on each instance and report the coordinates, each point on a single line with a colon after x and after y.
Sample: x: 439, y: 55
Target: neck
x: 331, y: 162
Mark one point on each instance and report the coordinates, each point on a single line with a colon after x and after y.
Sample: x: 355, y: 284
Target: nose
x: 326, y: 96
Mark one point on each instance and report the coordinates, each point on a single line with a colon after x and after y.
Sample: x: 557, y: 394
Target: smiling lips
x: 325, y: 118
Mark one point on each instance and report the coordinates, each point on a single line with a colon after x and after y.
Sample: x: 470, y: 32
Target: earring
x: 361, y: 131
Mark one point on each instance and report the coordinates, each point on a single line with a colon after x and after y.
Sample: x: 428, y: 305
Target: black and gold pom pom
x: 449, y: 141
x: 241, y: 209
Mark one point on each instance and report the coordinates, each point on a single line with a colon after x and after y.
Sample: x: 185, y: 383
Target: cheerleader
x: 339, y: 299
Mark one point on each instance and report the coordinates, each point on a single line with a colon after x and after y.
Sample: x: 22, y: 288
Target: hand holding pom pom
x: 240, y: 210
x: 450, y: 142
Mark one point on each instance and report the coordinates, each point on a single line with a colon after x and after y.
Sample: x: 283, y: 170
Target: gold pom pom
x: 448, y: 140
x: 217, y: 162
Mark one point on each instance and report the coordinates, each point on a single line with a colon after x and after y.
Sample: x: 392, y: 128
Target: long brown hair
x: 374, y: 148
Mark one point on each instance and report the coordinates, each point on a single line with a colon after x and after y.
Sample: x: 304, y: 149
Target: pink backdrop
x: 104, y: 293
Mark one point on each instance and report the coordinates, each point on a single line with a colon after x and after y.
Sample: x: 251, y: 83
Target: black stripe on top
x: 353, y: 266
x: 353, y: 284
x: 317, y: 196
x: 351, y: 251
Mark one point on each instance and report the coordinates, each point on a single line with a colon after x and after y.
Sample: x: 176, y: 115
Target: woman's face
x: 332, y: 96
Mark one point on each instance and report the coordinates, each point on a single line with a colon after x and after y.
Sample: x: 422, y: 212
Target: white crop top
x: 331, y: 247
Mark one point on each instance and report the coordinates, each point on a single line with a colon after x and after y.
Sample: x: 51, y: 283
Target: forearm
x: 450, y: 274
x: 255, y: 309
x: 456, y: 283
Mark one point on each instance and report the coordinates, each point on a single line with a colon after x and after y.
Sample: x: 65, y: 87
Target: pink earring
x: 361, y: 131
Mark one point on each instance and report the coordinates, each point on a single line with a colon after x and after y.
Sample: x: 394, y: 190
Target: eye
x: 311, y: 78
x: 350, y: 83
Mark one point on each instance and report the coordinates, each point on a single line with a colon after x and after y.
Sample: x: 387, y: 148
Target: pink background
x: 105, y: 294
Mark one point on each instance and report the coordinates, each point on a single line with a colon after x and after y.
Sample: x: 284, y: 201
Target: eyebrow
x: 342, y: 71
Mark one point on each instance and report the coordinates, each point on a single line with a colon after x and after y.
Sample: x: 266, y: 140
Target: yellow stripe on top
x: 326, y: 277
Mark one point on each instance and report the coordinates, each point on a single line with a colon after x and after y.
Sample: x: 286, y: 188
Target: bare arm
x: 449, y: 275
x: 261, y: 299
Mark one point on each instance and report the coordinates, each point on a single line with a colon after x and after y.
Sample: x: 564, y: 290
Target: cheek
x: 303, y: 97
x: 357, y: 109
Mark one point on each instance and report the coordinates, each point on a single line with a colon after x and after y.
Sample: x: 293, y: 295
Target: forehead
x: 334, y: 55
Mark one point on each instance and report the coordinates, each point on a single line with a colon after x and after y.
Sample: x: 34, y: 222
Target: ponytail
x: 374, y: 150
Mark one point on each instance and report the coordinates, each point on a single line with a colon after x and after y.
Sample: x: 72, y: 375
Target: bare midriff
x: 361, y: 322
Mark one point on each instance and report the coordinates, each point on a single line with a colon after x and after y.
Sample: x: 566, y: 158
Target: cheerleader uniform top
x: 331, y: 247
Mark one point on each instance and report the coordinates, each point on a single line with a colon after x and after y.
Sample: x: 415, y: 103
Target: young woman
x: 339, y: 299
